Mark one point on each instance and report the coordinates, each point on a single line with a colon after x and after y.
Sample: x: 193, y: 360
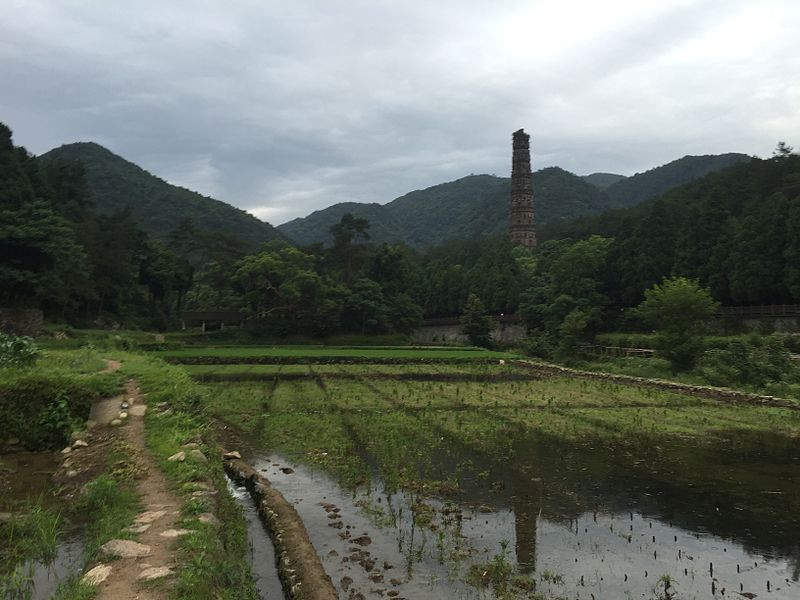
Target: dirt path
x: 156, y: 526
x: 111, y: 365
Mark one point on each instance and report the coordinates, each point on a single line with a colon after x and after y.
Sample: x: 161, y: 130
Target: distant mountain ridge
x: 602, y: 180
x: 655, y: 182
x: 157, y: 206
x: 471, y: 206
x: 478, y: 204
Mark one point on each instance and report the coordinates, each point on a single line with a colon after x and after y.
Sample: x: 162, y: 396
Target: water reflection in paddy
x: 582, y: 519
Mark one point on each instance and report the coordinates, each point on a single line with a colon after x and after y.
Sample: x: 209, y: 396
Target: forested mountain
x: 737, y: 231
x: 115, y: 184
x: 77, y: 265
x: 602, y: 180
x: 650, y: 184
x: 471, y: 206
x: 477, y: 205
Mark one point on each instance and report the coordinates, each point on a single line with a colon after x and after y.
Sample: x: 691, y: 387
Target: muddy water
x: 262, y: 552
x: 582, y: 520
x: 26, y: 476
x: 67, y: 563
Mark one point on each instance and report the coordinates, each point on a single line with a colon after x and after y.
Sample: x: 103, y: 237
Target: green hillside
x: 650, y: 184
x: 157, y: 206
x: 471, y: 206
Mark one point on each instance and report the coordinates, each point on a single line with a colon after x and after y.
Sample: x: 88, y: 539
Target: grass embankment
x: 57, y: 394
x: 44, y: 404
x: 211, y: 561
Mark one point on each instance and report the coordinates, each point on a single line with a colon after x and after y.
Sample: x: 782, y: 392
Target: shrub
x: 678, y: 309
x: 755, y: 360
x: 42, y: 408
x: 17, y: 351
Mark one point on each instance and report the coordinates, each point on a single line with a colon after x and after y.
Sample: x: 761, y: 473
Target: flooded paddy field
x: 462, y: 481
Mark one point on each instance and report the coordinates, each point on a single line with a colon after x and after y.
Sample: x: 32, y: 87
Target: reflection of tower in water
x: 526, y: 501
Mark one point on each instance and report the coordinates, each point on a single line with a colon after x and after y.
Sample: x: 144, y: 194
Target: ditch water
x: 584, y: 520
x: 262, y: 553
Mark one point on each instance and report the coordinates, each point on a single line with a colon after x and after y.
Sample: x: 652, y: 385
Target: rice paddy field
x: 437, y: 475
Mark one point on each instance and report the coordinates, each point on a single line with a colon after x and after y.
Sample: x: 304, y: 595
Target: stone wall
x: 21, y: 321
x: 503, y: 333
x: 702, y: 391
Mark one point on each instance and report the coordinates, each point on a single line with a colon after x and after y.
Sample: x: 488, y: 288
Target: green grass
x: 344, y: 425
x: 110, y: 504
x: 75, y: 589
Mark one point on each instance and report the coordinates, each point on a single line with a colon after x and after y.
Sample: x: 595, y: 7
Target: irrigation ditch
x: 299, y: 566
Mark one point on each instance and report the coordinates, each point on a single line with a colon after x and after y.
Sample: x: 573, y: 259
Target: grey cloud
x: 283, y: 108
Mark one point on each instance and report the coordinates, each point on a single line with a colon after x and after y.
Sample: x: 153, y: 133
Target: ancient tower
x: 521, y: 227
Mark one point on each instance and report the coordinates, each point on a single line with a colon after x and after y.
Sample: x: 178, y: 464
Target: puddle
x: 67, y: 563
x: 26, y: 476
x: 583, y: 520
x: 261, y: 553
x: 45, y: 577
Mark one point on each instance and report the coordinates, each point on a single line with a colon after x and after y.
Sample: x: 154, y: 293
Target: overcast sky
x: 285, y: 107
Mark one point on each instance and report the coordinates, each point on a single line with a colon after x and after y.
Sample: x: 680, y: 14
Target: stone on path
x: 125, y: 549
x: 150, y: 516
x: 80, y: 444
x: 231, y: 455
x: 174, y: 533
x: 97, y: 575
x: 178, y: 457
x: 138, y: 528
x: 115, y: 422
x: 138, y: 410
x: 66, y: 450
x: 155, y: 573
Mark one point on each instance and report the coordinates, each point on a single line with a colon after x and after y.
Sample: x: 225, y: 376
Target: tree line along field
x: 465, y: 435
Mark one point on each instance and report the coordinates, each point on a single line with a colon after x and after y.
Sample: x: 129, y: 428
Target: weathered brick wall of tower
x: 521, y: 224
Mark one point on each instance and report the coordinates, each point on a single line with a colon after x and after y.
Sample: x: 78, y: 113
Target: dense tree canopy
x: 735, y: 232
